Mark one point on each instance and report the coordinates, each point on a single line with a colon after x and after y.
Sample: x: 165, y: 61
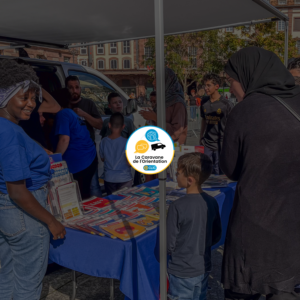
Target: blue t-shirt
x: 21, y: 158
x: 116, y: 168
x: 81, y: 150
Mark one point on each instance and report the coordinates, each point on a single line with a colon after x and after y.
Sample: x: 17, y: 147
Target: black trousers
x: 84, y: 179
x: 282, y: 296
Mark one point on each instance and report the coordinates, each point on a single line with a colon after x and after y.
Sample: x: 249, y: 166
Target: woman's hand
x: 57, y: 229
x: 149, y: 115
x: 48, y: 151
x: 19, y: 193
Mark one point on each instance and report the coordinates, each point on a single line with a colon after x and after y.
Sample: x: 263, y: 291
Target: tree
x: 190, y: 55
x: 264, y: 35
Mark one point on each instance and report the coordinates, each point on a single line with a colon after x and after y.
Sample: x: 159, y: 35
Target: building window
x: 126, y: 64
x: 229, y: 29
x: 247, y: 28
x: 83, y: 49
x: 113, y: 48
x: 84, y: 63
x: 281, y: 25
x: 148, y: 52
x: 101, y: 64
x: 126, y: 47
x: 192, y: 52
x: 296, y: 24
x: 281, y: 2
x: 100, y: 49
x: 41, y: 56
x: 298, y: 46
x: 66, y: 59
x: 113, y: 64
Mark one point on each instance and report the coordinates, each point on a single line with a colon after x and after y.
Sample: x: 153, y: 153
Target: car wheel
x: 142, y: 178
x: 139, y: 178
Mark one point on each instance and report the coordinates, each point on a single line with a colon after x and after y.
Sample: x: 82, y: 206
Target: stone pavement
x: 58, y: 284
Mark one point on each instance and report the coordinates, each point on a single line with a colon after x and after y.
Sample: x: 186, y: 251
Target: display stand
x: 74, y: 289
x: 74, y: 282
x: 64, y: 194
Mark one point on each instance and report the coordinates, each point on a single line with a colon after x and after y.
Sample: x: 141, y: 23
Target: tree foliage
x: 214, y: 48
x: 181, y: 52
x: 264, y: 35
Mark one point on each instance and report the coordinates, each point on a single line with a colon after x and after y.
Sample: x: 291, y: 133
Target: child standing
x: 193, y: 226
x: 214, y: 112
x: 117, y: 171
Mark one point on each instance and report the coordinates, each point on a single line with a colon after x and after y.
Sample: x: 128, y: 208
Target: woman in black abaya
x: 261, y: 152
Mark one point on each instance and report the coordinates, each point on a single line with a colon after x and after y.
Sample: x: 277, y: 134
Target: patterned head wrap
x: 8, y: 93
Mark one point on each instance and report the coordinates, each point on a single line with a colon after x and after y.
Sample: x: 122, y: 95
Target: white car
x: 95, y: 86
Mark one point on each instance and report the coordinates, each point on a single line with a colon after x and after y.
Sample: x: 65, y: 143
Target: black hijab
x: 174, y: 92
x: 261, y: 71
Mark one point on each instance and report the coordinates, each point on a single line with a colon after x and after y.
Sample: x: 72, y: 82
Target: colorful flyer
x: 146, y: 221
x: 96, y: 202
x: 68, y: 200
x: 124, y: 230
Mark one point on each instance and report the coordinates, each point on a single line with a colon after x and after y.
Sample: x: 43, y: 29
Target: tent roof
x: 58, y: 23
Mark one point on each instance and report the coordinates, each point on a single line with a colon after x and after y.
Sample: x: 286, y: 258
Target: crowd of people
x: 253, y: 143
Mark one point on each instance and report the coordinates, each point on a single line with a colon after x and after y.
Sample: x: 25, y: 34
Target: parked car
x: 95, y: 86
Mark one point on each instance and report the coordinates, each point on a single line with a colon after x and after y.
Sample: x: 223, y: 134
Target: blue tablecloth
x: 133, y: 262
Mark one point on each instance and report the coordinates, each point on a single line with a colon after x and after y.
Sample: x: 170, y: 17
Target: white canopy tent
x: 59, y: 23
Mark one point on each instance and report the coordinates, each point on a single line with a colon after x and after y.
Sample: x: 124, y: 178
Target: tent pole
x: 161, y: 122
x: 286, y: 43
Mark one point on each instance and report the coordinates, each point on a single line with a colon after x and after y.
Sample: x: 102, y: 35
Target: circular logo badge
x: 150, y: 150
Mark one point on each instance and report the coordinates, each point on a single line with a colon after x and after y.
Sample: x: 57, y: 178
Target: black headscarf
x: 174, y: 92
x: 261, y: 71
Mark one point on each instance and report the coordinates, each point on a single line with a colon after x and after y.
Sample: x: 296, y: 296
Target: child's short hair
x: 294, y: 64
x: 116, y: 120
x: 112, y: 95
x: 216, y: 79
x: 196, y: 165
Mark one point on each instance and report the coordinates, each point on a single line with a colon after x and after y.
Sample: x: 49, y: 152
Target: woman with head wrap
x: 261, y: 152
x: 176, y: 114
x: 24, y: 173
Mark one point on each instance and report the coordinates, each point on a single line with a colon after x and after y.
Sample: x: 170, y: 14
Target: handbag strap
x: 287, y: 107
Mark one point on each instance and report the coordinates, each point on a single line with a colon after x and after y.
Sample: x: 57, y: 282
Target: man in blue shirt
x: 71, y: 138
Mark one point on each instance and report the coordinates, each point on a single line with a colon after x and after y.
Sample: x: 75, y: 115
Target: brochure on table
x: 135, y: 213
x: 64, y: 195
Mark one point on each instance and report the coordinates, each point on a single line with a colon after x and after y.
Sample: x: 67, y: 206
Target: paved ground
x: 58, y: 284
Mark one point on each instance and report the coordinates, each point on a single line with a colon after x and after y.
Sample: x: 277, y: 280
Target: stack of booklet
x: 134, y: 214
x: 64, y: 195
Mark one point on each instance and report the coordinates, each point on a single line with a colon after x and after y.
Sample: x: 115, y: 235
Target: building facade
x: 292, y: 9
x: 122, y: 62
x: 62, y: 55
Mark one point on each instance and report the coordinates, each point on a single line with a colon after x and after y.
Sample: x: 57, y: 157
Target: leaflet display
x: 64, y: 195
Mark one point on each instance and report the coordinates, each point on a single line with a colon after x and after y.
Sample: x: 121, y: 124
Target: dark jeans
x: 111, y: 187
x: 84, y: 179
x: 214, y: 156
x: 186, y: 288
x: 282, y: 296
